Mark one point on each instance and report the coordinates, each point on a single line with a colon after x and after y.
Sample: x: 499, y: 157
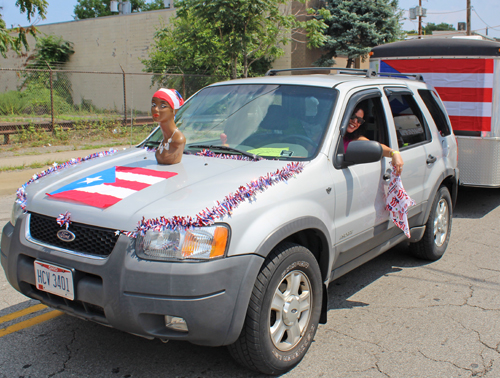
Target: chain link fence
x: 51, y: 99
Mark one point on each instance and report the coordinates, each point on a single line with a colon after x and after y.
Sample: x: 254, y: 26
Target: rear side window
x: 408, y: 119
x: 436, y: 109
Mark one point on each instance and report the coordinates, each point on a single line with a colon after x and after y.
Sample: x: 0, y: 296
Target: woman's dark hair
x: 360, y: 131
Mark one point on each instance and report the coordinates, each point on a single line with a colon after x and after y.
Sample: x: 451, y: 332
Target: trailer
x: 466, y: 75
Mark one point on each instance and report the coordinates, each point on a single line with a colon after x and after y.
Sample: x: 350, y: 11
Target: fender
x: 450, y: 174
x: 324, y: 255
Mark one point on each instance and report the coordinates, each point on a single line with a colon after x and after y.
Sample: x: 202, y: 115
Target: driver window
x: 374, y: 124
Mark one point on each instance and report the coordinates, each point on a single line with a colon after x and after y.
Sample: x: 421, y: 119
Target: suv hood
x: 197, y: 184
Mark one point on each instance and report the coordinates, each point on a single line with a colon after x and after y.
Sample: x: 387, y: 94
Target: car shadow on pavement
x: 475, y: 203
x: 392, y: 261
x: 74, y: 347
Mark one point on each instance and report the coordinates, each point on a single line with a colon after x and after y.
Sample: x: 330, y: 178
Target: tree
x: 16, y: 43
x: 228, y: 37
x: 99, y: 8
x: 53, y: 51
x: 50, y: 52
x: 443, y: 26
x: 356, y: 26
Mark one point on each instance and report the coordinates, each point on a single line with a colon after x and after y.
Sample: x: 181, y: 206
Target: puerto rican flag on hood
x: 464, y: 85
x: 105, y: 188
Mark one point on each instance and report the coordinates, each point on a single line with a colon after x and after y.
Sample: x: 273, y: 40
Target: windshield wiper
x: 151, y: 143
x: 225, y: 148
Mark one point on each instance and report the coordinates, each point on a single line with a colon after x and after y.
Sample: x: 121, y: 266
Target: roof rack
x: 355, y: 71
x: 348, y: 71
x: 417, y: 77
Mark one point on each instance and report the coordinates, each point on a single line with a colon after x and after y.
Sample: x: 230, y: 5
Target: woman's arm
x: 397, y: 160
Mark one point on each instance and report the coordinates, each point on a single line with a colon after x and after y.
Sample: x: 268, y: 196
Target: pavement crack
x: 354, y: 338
x: 380, y: 370
x: 493, y: 270
x: 443, y: 361
x: 67, y: 358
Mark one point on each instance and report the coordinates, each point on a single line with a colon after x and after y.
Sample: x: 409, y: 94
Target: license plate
x: 54, y: 279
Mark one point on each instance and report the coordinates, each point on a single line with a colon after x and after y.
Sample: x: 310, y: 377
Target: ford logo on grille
x: 66, y: 235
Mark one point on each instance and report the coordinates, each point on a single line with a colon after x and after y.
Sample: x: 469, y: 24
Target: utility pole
x: 468, y: 17
x: 420, y: 20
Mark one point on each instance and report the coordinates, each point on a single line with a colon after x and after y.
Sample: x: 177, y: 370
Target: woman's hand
x: 397, y: 162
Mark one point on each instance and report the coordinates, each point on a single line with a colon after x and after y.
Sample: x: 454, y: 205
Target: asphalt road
x: 396, y: 316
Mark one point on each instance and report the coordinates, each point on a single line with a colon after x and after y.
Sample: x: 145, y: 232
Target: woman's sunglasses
x: 360, y: 120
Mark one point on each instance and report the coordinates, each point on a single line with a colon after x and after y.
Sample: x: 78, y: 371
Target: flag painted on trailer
x: 464, y: 85
x: 105, y: 188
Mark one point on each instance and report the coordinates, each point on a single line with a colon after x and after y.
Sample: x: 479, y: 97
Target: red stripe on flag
x: 465, y: 94
x: 466, y: 123
x: 442, y: 65
x: 134, y: 185
x: 92, y: 199
x: 146, y: 172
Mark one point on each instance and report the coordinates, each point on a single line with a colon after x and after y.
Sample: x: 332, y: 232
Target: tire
x: 283, y: 313
x: 437, y: 230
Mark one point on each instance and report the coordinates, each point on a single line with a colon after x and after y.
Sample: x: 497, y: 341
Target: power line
x: 484, y: 22
x: 461, y: 10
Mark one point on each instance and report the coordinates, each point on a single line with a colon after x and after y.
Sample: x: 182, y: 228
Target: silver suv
x: 237, y: 244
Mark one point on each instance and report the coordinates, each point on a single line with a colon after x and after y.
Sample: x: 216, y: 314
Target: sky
x: 485, y: 13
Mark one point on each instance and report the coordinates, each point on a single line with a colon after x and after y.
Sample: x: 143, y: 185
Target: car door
x: 361, y: 221
x: 410, y: 129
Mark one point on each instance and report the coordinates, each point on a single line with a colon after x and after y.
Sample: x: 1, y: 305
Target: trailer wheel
x: 438, y: 228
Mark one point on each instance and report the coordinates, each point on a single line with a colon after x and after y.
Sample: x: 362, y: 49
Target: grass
x: 83, y: 135
x: 30, y: 166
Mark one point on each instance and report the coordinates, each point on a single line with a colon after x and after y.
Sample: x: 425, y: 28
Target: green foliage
x: 99, y: 8
x: 226, y: 38
x: 51, y: 50
x: 443, y: 26
x: 38, y: 97
x: 355, y: 26
x: 12, y: 102
x: 7, y: 41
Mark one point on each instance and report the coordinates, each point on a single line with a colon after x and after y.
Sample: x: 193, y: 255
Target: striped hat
x: 171, y: 96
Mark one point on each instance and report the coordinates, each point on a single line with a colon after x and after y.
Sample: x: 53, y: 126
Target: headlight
x: 204, y: 243
x: 17, y: 210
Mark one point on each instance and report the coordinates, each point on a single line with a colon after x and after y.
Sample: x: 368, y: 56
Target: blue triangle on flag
x: 107, y: 176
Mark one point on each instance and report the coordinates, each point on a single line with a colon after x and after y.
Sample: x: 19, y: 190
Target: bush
x: 12, y: 103
x: 38, y: 97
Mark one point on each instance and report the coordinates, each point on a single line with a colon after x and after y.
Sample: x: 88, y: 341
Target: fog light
x: 175, y: 322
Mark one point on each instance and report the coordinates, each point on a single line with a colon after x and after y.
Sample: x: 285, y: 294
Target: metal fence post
x: 183, y: 86
x: 51, y: 99
x: 124, y: 98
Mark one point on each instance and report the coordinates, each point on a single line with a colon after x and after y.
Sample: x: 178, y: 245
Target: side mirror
x: 362, y: 152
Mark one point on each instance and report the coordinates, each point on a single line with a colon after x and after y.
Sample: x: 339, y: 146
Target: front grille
x: 90, y: 240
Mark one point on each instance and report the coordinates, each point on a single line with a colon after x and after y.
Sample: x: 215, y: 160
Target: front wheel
x: 438, y: 228
x: 283, y: 313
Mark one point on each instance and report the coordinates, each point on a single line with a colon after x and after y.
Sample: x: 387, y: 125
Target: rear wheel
x: 438, y: 228
x: 283, y: 313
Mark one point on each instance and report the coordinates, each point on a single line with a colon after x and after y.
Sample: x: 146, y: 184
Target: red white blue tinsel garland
x: 64, y: 219
x: 21, y: 192
x: 225, y: 207
x: 209, y: 153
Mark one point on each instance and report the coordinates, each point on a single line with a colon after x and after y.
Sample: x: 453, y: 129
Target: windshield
x: 271, y: 121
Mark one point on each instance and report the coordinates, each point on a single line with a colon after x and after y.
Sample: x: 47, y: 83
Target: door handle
x: 387, y: 175
x: 431, y: 159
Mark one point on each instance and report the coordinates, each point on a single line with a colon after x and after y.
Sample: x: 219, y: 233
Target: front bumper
x: 134, y: 295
